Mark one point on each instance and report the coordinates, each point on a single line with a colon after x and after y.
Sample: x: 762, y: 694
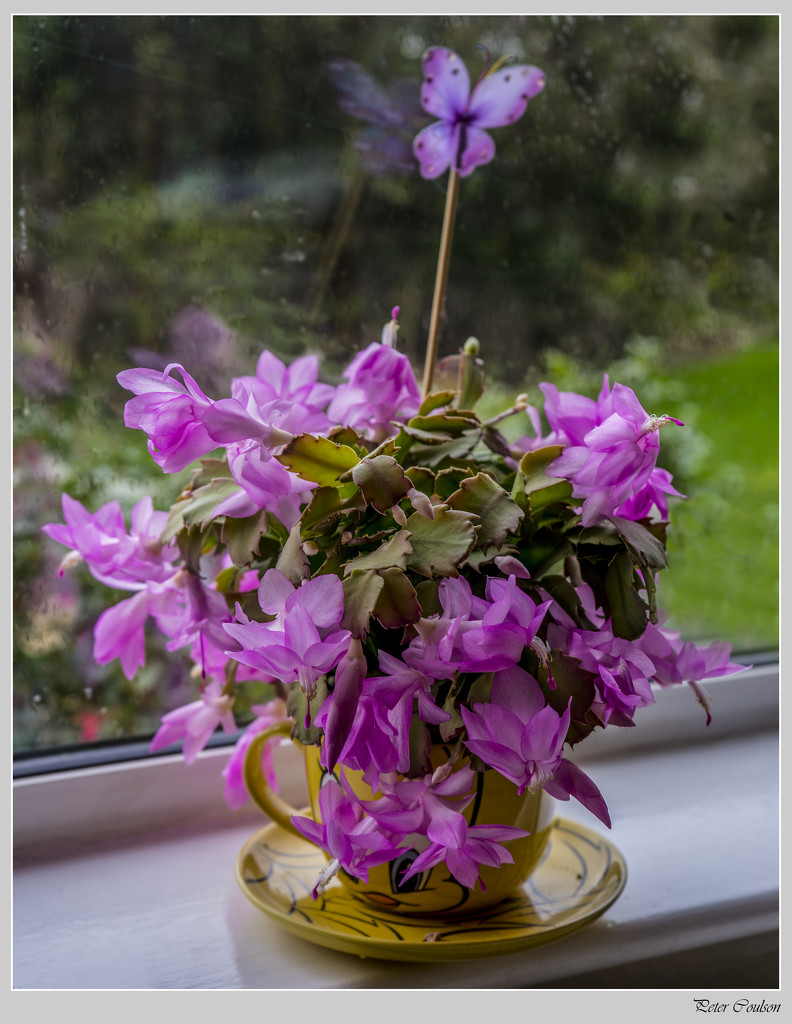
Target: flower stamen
x: 652, y: 423
x: 325, y: 877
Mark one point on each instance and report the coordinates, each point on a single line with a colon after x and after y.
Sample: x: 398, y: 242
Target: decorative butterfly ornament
x: 458, y: 139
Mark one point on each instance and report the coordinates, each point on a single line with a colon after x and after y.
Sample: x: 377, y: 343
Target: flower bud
x: 441, y: 773
x: 421, y: 503
x: 391, y: 330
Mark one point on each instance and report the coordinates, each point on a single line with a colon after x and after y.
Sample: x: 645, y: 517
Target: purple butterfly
x: 459, y: 138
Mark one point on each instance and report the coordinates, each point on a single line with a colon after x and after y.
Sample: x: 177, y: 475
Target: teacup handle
x: 273, y: 805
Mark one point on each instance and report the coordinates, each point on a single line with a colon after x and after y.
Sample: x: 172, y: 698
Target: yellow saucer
x: 579, y: 878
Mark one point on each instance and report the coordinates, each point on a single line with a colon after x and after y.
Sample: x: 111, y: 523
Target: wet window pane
x: 194, y: 189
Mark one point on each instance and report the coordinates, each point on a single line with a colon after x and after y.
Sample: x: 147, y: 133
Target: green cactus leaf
x: 499, y: 515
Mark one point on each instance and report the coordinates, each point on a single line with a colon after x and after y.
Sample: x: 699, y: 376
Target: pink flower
x: 295, y: 386
x: 211, y: 662
x: 622, y: 669
x: 569, y: 415
x: 194, y: 723
x: 170, y: 413
x: 242, y: 419
x: 476, y: 634
x: 610, y: 451
x: 264, y: 484
x: 372, y: 745
x: 113, y: 556
x: 382, y: 387
x: 422, y: 807
x: 678, y: 662
x: 302, y: 643
x: 615, y: 459
x: 651, y: 495
x: 379, y: 737
x: 464, y: 848
x: 523, y: 738
x: 183, y: 605
x: 119, y: 633
x: 235, y: 791
x: 353, y: 841
x: 263, y: 413
x: 185, y: 608
x: 183, y: 423
x: 342, y: 702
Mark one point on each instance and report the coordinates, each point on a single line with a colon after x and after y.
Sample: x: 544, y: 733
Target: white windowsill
x: 124, y: 874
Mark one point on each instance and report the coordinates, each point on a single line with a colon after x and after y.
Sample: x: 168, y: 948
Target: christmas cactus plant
x: 392, y: 571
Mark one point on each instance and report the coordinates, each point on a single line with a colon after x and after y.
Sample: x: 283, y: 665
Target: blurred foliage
x: 188, y: 188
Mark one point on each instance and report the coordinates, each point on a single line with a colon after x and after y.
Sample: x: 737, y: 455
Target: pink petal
x: 518, y: 691
x: 569, y: 781
x: 274, y: 591
x: 322, y: 598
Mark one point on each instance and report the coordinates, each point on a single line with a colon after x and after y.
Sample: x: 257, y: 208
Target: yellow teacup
x: 436, y: 891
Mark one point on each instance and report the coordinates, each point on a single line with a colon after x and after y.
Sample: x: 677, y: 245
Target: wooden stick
x: 441, y: 278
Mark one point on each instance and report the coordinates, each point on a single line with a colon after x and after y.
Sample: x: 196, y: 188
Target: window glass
x: 194, y: 189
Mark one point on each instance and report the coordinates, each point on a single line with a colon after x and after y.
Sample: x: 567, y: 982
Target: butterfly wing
x: 446, y: 85
x: 477, y: 149
x: 501, y: 98
x: 436, y: 147
x: 404, y: 99
x: 359, y: 95
x: 385, y: 151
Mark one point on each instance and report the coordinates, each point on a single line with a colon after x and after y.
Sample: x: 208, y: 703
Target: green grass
x: 722, y: 579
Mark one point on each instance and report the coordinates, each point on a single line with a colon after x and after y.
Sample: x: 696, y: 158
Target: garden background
x: 194, y: 189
